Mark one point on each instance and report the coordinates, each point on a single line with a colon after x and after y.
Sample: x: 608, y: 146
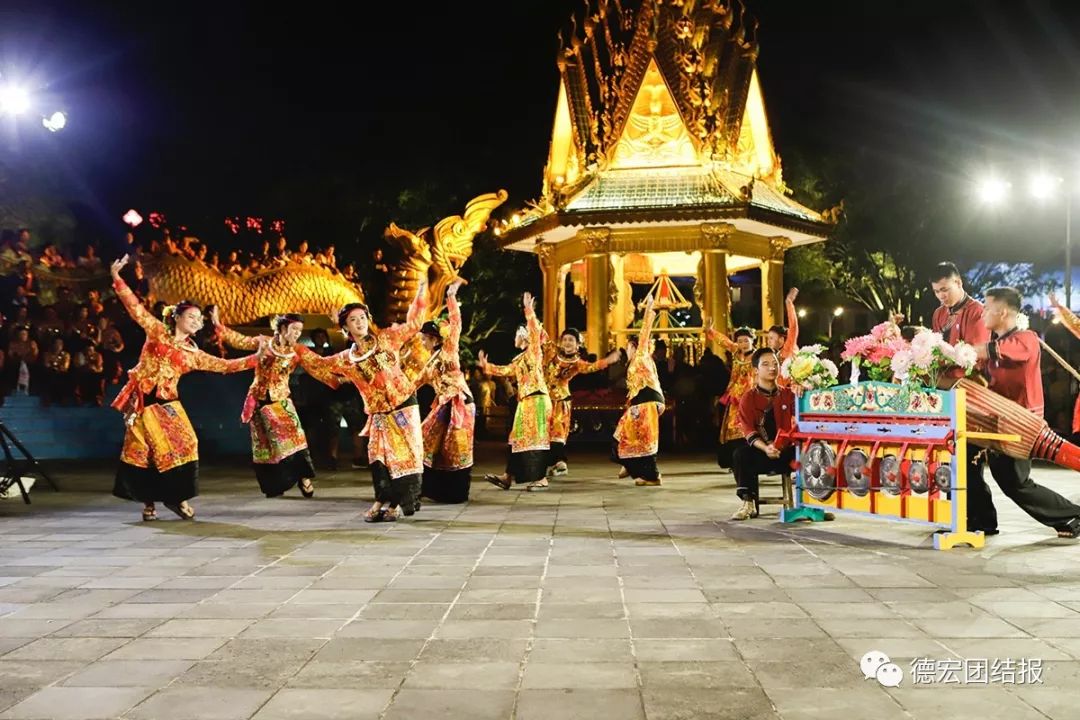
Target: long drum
x: 989, y: 412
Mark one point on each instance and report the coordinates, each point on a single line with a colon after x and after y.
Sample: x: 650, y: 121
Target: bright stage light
x: 14, y: 99
x: 1043, y: 186
x: 56, y: 121
x: 991, y: 189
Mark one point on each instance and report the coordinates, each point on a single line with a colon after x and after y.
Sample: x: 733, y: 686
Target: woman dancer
x: 637, y: 436
x: 373, y: 365
x: 562, y: 363
x: 279, y: 448
x: 529, y: 436
x: 160, y: 458
x: 449, y: 428
x: 742, y: 378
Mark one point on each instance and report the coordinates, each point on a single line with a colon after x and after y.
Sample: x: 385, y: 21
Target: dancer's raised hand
x: 117, y: 266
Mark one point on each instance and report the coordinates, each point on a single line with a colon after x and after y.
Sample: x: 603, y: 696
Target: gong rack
x: 885, y: 451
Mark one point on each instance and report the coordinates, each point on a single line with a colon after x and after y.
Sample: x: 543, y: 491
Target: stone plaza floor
x: 596, y: 599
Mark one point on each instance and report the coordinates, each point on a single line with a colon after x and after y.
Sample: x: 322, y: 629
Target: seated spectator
x: 112, y: 344
x: 89, y: 260
x: 93, y: 302
x: 56, y: 364
x: 90, y: 375
x: 232, y: 265
x: 81, y: 330
x: 51, y: 258
x: 22, y: 355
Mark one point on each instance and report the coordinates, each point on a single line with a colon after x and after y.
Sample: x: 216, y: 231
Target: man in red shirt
x: 1012, y: 360
x: 960, y: 315
x: 960, y: 318
x: 764, y: 410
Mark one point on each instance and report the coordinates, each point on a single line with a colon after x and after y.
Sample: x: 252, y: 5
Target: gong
x: 943, y: 478
x: 856, y: 473
x: 918, y: 476
x: 889, y: 475
x: 817, y: 481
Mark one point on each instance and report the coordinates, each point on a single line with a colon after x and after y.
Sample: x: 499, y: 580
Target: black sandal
x: 188, y: 514
x: 149, y: 514
x: 310, y: 491
x: 374, y: 516
x: 390, y: 514
x: 498, y: 481
x: 1070, y: 530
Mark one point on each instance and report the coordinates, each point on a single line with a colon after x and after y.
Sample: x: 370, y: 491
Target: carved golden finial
x: 833, y: 214
x: 747, y: 191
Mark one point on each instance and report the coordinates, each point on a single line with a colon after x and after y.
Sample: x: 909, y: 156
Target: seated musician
x: 764, y: 410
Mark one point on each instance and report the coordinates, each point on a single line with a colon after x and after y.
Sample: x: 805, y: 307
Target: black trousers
x: 558, y: 452
x: 749, y: 463
x: 1014, y: 478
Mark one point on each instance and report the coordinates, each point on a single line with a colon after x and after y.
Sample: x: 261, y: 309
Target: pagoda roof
x: 660, y: 119
x: 670, y: 195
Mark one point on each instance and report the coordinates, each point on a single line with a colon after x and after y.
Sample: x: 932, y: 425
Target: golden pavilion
x: 661, y: 164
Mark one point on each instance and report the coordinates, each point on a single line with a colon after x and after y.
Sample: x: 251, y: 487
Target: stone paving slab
x: 595, y: 599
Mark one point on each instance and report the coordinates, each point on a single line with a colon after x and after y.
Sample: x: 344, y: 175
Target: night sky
x: 209, y: 109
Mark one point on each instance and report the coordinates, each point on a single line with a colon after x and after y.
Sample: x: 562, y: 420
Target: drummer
x: 765, y: 411
x: 1011, y: 358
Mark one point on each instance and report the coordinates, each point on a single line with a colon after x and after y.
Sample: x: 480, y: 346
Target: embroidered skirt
x: 560, y: 420
x: 160, y: 458
x: 279, y: 449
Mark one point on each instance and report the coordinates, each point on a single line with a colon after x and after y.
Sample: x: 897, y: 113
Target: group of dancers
x: 159, y: 460
x: 409, y: 459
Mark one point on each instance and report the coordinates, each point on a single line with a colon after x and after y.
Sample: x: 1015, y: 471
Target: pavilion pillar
x: 772, y: 283
x: 716, y: 300
x: 545, y: 253
x: 598, y: 282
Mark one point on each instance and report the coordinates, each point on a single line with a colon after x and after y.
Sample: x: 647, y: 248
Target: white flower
x: 1022, y: 322
x: 831, y: 368
x: 811, y: 349
x: 901, y: 362
x: 964, y: 355
x: 785, y: 368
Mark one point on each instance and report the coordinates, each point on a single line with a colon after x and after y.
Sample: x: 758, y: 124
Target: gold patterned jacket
x: 641, y: 372
x: 559, y: 370
x: 374, y: 367
x: 443, y: 373
x: 163, y: 359
x: 528, y: 367
x: 273, y: 368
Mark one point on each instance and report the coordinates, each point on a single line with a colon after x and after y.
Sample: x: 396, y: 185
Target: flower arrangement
x: 807, y: 370
x: 927, y: 356
x: 874, y: 352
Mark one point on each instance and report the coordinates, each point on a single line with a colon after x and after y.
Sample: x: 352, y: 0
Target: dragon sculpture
x: 434, y: 255
x: 295, y: 287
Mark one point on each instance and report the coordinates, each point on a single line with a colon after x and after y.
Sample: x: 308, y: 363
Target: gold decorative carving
x: 717, y: 236
x: 435, y: 254
x: 294, y: 287
x: 777, y: 247
x: 596, y: 239
x: 545, y: 253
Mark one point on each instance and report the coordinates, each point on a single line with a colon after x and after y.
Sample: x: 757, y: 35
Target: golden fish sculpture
x: 435, y: 255
x: 293, y: 287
